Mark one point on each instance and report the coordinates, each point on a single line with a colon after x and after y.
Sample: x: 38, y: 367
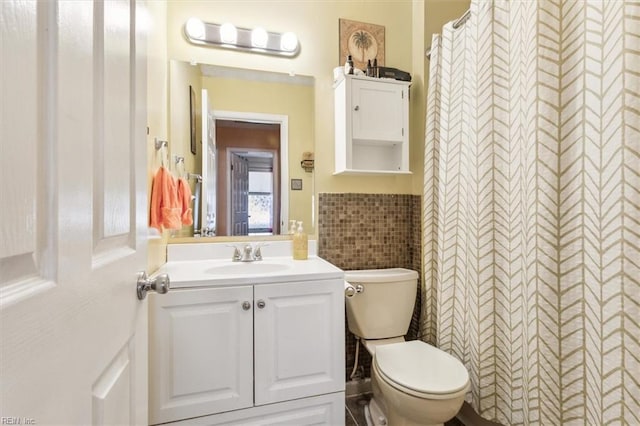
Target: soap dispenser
x: 300, y: 244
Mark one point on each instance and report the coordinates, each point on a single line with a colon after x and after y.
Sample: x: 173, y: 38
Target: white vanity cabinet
x: 269, y: 353
x: 371, y: 126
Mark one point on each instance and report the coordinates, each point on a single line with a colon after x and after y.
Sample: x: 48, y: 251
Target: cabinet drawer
x: 320, y: 410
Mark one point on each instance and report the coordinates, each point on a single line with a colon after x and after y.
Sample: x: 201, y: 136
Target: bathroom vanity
x: 247, y: 342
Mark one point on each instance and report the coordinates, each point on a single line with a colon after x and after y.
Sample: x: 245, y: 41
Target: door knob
x: 159, y: 284
x: 261, y: 304
x: 246, y: 306
x: 357, y: 108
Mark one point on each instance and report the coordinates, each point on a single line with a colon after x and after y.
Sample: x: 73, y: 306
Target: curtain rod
x: 457, y: 24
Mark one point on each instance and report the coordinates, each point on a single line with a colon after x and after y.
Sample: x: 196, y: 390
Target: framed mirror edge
x: 232, y: 239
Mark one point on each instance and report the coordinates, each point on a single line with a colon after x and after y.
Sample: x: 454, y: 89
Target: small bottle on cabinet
x: 348, y: 66
x: 300, y: 244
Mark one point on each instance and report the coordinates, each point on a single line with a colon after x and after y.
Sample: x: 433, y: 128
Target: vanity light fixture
x: 229, y: 36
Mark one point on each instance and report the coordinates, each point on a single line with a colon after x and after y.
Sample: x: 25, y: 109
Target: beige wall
x: 408, y: 28
x: 157, y: 112
x: 316, y: 24
x: 181, y: 76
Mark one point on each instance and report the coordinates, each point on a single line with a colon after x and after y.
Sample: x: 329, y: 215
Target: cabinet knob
x: 357, y: 108
x: 246, y: 305
x: 261, y: 304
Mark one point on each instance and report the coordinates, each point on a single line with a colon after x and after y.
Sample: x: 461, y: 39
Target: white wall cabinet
x: 234, y: 349
x: 371, y: 126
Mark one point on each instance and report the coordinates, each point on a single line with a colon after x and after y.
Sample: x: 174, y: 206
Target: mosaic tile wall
x: 371, y: 231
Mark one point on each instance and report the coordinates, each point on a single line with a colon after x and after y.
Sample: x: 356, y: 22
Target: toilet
x: 413, y: 383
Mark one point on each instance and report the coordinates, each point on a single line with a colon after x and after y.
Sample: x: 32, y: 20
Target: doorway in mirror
x: 252, y: 191
x: 248, y: 177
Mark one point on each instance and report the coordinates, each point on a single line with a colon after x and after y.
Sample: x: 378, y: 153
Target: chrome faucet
x: 247, y: 254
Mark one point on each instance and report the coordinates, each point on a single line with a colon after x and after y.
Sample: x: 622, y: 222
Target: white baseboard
x: 358, y: 387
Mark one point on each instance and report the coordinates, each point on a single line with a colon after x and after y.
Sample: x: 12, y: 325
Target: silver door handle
x: 246, y: 305
x: 261, y: 304
x: 357, y: 108
x: 160, y: 284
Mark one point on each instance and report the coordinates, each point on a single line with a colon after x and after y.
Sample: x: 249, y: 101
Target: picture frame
x: 192, y: 118
x: 362, y: 41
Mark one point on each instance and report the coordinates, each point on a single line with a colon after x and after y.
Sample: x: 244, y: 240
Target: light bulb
x: 195, y: 28
x: 228, y: 33
x: 259, y: 37
x: 289, y: 42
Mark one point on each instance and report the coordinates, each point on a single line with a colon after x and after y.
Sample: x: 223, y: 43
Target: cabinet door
x: 200, y: 352
x: 378, y: 111
x: 299, y: 340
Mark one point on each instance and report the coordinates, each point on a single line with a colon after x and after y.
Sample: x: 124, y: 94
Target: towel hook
x: 181, y: 171
x: 160, y: 144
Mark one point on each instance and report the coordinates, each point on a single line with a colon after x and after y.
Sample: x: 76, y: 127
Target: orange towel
x: 184, y: 200
x: 165, y: 210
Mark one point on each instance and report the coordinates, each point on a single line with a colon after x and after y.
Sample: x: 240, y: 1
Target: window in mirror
x: 260, y: 202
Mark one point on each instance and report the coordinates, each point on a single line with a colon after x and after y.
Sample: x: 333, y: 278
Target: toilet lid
x: 420, y: 367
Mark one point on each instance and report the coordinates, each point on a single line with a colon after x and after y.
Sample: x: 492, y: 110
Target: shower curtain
x: 532, y: 209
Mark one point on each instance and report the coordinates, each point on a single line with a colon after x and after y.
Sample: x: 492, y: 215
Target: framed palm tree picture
x: 362, y: 41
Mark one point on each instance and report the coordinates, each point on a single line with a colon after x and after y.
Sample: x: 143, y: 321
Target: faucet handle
x: 257, y: 253
x: 237, y: 256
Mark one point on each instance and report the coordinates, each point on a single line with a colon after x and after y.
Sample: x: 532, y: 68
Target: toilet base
x: 374, y: 415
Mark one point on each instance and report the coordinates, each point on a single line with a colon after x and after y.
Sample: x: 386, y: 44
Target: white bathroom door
x: 73, y: 220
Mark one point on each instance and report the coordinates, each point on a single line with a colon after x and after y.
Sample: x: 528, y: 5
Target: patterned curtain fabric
x: 532, y: 209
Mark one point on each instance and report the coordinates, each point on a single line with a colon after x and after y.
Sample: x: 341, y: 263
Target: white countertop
x: 221, y: 271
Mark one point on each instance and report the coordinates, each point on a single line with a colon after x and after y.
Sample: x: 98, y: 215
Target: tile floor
x: 354, y: 411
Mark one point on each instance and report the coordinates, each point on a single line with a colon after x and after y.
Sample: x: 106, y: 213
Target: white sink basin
x: 248, y: 268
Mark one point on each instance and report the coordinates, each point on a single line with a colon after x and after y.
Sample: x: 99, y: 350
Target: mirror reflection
x: 250, y: 130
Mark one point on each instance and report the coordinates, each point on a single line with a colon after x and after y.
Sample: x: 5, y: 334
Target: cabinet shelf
x: 371, y: 172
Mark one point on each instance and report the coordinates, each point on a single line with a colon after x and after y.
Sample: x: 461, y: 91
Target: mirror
x: 252, y: 129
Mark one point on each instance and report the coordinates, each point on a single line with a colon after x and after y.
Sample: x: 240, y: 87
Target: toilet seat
x: 421, y: 370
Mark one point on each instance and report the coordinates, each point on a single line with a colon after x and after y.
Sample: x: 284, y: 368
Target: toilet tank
x: 385, y: 306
